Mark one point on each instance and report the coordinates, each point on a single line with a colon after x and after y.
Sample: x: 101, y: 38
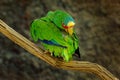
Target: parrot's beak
x: 70, y: 30
x: 70, y: 27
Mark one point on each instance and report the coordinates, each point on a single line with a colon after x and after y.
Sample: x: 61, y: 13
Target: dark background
x: 97, y: 25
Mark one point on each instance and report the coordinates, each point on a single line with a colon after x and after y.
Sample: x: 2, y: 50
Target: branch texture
x: 83, y: 66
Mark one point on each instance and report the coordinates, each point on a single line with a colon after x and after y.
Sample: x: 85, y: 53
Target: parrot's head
x: 68, y: 24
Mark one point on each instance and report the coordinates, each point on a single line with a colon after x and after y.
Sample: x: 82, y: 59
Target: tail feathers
x: 77, y: 53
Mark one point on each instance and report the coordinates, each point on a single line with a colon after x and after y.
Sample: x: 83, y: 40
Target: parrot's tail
x: 77, y: 53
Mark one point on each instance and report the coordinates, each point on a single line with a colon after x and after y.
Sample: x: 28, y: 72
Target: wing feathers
x: 52, y: 42
x: 47, y: 32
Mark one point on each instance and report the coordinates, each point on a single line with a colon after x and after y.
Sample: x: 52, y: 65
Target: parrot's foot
x: 46, y: 51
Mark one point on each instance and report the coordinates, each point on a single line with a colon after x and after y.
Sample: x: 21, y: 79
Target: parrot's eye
x: 64, y: 26
x: 70, y: 24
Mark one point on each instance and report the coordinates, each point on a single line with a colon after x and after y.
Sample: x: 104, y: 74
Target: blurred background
x: 97, y: 26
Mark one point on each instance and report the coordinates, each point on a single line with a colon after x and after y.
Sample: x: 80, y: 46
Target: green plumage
x: 50, y: 32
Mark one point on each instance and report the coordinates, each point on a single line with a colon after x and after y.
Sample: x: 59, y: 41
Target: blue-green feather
x: 67, y: 19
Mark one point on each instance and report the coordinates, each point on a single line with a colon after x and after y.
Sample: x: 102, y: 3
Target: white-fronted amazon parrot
x: 56, y: 33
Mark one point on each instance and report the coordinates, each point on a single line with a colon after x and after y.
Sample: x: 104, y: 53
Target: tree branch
x: 83, y: 66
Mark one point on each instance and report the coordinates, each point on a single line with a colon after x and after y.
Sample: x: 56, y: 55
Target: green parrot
x: 56, y: 33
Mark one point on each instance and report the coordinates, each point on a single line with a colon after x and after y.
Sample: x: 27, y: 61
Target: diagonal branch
x: 83, y: 66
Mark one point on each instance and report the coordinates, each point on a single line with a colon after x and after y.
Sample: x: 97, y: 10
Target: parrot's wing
x: 47, y: 32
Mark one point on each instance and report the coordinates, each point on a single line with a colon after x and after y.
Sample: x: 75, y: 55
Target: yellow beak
x: 70, y: 27
x: 70, y: 30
